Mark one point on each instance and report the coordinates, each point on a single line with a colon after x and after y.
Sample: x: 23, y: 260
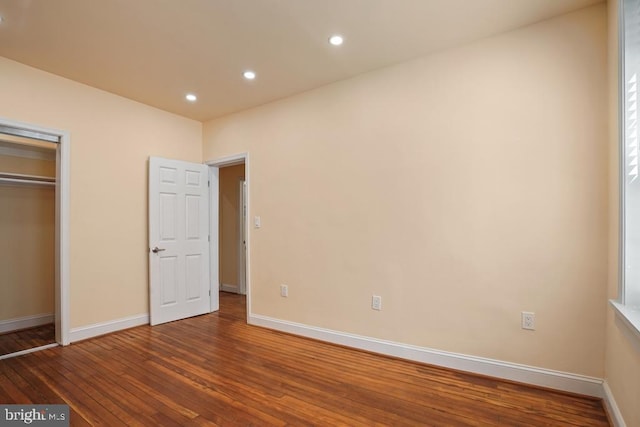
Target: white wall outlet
x: 528, y: 320
x: 284, y: 291
x: 376, y: 302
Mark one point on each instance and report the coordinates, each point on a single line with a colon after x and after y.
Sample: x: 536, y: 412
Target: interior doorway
x: 232, y: 220
x: 34, y: 219
x: 230, y: 198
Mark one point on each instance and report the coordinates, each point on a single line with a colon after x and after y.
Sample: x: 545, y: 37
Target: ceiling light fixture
x: 336, y: 40
x: 191, y: 97
x: 249, y: 75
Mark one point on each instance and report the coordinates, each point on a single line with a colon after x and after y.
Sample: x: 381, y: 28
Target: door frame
x: 242, y: 242
x: 61, y: 287
x: 214, y: 191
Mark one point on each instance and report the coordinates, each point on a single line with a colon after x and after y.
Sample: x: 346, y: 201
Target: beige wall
x: 111, y: 140
x: 622, y: 368
x: 229, y: 223
x: 463, y: 187
x: 27, y: 220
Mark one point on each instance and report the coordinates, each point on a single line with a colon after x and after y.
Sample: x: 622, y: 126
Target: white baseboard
x: 90, y: 331
x: 229, y: 288
x: 25, y: 322
x: 495, y: 368
x: 612, y: 407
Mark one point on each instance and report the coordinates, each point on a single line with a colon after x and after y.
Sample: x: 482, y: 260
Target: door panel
x: 168, y: 216
x: 194, y: 266
x: 168, y: 280
x: 178, y: 239
x: 193, y: 217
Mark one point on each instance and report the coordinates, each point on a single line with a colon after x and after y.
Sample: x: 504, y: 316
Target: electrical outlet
x: 284, y: 291
x: 376, y: 302
x: 528, y: 320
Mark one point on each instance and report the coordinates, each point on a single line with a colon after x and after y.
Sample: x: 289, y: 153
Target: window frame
x: 628, y: 316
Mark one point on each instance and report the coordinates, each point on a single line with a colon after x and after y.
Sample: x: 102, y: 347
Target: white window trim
x: 629, y: 317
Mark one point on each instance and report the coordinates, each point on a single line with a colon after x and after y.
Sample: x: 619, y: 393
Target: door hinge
x: 209, y: 238
x: 209, y: 292
x: 208, y: 183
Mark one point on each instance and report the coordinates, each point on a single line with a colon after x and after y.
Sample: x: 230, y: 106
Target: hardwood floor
x: 217, y: 370
x: 25, y: 339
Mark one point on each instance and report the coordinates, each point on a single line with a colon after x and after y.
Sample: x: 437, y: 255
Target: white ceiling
x: 155, y: 51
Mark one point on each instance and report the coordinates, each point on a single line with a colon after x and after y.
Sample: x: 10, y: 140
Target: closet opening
x: 33, y: 212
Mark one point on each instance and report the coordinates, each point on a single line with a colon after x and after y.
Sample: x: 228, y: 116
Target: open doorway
x: 230, y: 199
x: 34, y: 224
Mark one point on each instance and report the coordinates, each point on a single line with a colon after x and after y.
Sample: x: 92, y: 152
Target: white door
x: 178, y: 239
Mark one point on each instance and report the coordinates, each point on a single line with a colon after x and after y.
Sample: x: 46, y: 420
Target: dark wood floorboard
x: 217, y: 370
x: 25, y: 339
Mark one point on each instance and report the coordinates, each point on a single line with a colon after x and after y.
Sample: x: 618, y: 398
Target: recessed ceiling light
x: 336, y: 40
x: 249, y: 75
x: 191, y: 97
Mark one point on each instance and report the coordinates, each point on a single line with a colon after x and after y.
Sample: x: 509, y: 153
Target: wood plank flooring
x: 13, y: 342
x: 217, y: 370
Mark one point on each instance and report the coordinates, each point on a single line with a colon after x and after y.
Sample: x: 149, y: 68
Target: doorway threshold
x: 31, y: 350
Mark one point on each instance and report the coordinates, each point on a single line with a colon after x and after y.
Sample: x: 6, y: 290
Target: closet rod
x: 16, y: 178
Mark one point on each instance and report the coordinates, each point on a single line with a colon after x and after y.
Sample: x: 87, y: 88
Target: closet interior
x: 27, y: 241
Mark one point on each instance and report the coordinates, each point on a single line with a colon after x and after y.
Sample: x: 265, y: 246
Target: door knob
x: 157, y: 249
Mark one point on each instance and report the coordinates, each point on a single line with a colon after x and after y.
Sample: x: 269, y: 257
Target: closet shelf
x: 7, y: 178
